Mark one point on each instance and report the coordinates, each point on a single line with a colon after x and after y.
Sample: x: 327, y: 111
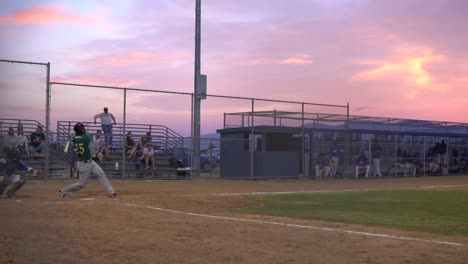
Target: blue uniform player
x: 10, y: 165
x: 335, y: 153
x: 362, y: 163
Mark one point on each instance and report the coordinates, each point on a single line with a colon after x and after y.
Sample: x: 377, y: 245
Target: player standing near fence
x: 85, y: 165
x: 376, y: 152
x: 335, y: 153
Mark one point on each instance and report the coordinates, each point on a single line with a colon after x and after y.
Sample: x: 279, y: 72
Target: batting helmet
x: 14, y: 154
x: 79, y: 129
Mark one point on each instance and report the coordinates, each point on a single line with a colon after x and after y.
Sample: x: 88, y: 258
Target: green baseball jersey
x: 81, y: 144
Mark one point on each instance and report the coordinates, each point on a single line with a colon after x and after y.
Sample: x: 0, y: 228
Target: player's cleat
x: 114, y: 195
x: 12, y: 195
x: 60, y: 194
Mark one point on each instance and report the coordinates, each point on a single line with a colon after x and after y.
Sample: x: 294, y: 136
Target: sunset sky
x: 406, y: 59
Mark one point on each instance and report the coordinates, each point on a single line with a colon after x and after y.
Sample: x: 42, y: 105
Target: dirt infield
x: 191, y: 222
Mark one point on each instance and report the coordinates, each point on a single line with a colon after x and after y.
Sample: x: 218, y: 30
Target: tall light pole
x: 196, y: 98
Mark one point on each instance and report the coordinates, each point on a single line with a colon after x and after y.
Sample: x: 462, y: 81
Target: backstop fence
x: 241, y: 137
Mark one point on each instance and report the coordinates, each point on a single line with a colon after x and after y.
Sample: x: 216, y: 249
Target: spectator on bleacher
x: 98, y: 148
x: 130, y: 146
x: 22, y: 139
x: 335, y: 153
x: 37, y: 142
x: 148, y: 137
x: 142, y: 145
x: 323, y: 166
x: 107, y: 119
x: 362, y: 163
x: 148, y: 157
x: 10, y: 140
x: 376, y: 154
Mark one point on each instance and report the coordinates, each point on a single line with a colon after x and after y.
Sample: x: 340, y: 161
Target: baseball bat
x: 67, y: 147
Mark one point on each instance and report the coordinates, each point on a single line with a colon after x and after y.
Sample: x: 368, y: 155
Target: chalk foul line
x: 298, y: 226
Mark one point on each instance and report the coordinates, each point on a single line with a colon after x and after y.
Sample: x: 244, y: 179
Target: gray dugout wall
x: 272, y: 154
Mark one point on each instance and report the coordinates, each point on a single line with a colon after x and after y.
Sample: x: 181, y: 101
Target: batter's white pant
x: 376, y: 167
x: 334, y: 166
x: 356, y: 171
x: 86, y: 169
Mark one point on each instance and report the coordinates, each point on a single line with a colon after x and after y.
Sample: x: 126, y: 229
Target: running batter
x: 85, y: 165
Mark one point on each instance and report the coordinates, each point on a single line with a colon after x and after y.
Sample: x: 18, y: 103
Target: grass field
x: 438, y: 211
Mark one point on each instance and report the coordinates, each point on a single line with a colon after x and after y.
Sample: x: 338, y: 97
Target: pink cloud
x: 43, y: 15
x: 299, y: 61
x: 409, y: 64
x: 288, y: 61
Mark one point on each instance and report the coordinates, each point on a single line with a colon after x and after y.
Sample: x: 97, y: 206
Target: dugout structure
x: 278, y: 136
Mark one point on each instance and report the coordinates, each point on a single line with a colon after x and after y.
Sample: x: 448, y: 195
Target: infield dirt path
x: 87, y: 227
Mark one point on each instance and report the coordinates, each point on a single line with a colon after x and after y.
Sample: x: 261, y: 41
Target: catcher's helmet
x: 14, y: 154
x: 79, y: 129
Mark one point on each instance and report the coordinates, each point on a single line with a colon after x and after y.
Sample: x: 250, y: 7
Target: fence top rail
x: 25, y: 62
x: 127, y: 125
x: 192, y: 94
x: 354, y: 119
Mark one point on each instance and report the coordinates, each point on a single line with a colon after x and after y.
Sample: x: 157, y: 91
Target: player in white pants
x: 85, y: 165
x: 376, y: 151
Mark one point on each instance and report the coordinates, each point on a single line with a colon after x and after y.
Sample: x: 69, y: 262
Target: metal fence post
x: 303, y: 144
x: 252, y: 141
x: 396, y: 156
x: 124, y: 135
x: 424, y: 155
x: 47, y: 132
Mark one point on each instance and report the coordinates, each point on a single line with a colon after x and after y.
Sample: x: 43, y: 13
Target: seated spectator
x: 37, y: 142
x: 10, y: 140
x: 148, y: 137
x: 22, y: 142
x: 148, y: 157
x: 98, y: 148
x: 130, y: 146
x: 362, y: 164
x: 142, y: 145
x: 323, y: 167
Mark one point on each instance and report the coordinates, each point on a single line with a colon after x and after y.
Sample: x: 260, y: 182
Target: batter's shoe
x: 12, y: 195
x: 61, y: 194
x: 114, y: 196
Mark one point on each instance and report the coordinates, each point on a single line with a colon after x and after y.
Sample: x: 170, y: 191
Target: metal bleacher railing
x: 162, y: 137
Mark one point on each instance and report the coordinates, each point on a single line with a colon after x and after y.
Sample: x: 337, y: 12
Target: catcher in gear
x: 11, y: 164
x: 85, y: 165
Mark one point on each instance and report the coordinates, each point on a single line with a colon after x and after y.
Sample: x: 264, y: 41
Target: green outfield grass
x: 440, y: 211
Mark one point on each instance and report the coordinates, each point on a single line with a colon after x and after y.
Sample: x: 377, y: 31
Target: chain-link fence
x: 24, y: 107
x: 241, y: 137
